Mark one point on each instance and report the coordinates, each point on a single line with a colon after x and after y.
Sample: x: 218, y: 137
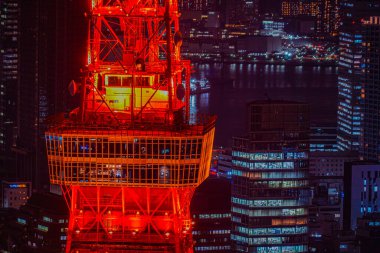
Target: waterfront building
x: 273, y: 27
x: 270, y: 181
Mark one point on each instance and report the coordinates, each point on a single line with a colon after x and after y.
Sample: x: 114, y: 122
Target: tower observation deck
x: 129, y: 158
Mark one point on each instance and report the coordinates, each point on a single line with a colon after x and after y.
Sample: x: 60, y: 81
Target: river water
x: 234, y: 85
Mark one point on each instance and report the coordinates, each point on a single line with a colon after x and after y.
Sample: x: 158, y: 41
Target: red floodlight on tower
x: 130, y: 157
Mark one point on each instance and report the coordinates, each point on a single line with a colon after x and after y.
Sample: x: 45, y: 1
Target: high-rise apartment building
x: 270, y: 182
x: 353, y: 72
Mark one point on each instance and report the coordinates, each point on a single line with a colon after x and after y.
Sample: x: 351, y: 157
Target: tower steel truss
x: 130, y: 157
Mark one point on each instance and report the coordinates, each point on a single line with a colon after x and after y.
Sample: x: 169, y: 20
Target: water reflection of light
x: 204, y: 100
x: 249, y: 67
x: 193, y: 104
x: 299, y: 69
x: 285, y: 81
x: 199, y: 104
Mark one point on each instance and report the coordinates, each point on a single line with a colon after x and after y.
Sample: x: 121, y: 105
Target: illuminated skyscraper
x: 270, y: 186
x: 355, y: 77
x: 130, y: 157
x: 349, y: 88
x: 370, y: 146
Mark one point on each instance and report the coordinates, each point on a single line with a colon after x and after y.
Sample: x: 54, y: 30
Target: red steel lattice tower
x: 129, y: 158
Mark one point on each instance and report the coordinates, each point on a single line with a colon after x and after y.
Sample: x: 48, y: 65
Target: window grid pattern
x: 139, y: 160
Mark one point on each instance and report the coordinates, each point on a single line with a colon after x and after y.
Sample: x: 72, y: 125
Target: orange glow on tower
x: 130, y: 157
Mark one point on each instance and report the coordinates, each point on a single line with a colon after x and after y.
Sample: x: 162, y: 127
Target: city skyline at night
x: 189, y: 126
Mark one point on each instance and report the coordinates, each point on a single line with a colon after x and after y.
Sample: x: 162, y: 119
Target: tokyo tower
x: 129, y: 158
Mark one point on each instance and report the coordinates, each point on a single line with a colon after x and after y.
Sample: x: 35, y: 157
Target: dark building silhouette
x: 42, y: 45
x: 368, y: 233
x: 211, y: 215
x: 37, y: 227
x: 9, y: 78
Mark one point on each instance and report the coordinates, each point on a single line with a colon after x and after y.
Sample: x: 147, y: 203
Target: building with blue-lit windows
x: 270, y: 182
x: 361, y: 191
x: 370, y: 146
x: 358, y: 78
x: 349, y: 89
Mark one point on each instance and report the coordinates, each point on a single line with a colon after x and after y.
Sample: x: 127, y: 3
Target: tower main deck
x: 129, y: 158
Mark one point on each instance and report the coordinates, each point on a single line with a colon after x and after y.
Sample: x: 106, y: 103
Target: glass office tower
x: 270, y: 187
x: 358, y: 78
